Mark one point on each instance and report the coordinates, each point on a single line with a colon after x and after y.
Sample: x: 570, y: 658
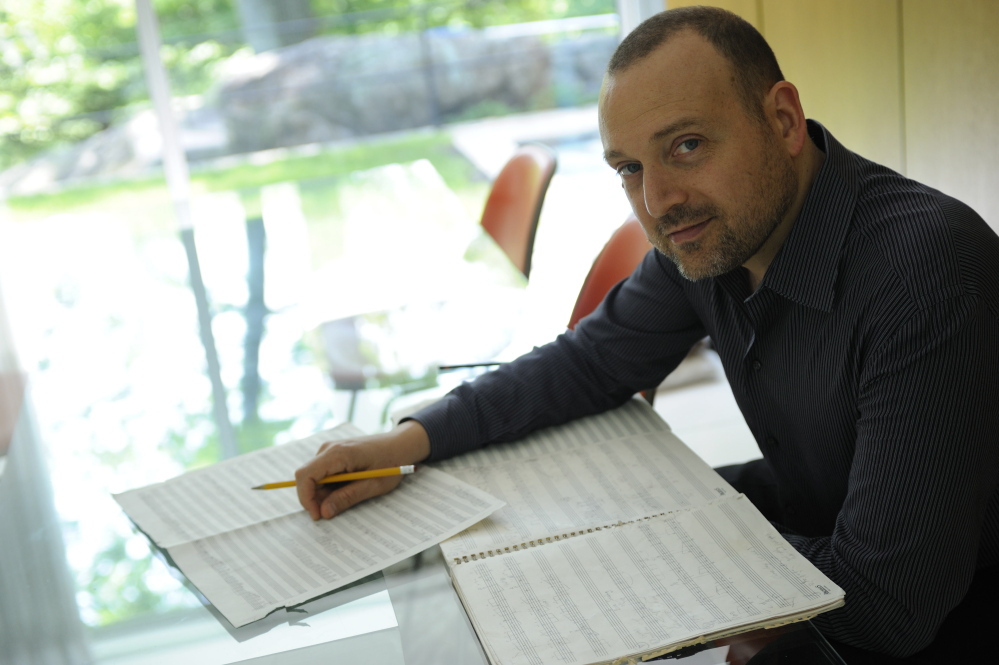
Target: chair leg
x: 351, y: 405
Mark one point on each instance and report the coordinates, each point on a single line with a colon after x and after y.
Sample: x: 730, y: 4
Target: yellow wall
x: 912, y: 84
x: 951, y: 65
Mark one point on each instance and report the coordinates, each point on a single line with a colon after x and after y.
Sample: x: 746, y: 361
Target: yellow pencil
x: 344, y: 477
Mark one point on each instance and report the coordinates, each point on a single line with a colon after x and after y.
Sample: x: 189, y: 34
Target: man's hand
x: 406, y: 444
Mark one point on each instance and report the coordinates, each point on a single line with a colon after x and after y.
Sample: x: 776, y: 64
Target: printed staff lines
x: 684, y: 578
x: 599, y: 601
x: 537, y: 508
x: 564, y: 504
x: 705, y: 562
x: 627, y: 591
x: 539, y: 611
x: 767, y: 555
x: 515, y: 631
x: 736, y: 558
x: 682, y: 468
x: 560, y: 592
x: 638, y: 472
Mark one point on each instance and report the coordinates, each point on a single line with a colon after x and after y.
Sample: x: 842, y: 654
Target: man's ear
x: 785, y: 111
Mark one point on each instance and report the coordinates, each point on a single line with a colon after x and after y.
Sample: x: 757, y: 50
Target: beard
x: 737, y: 236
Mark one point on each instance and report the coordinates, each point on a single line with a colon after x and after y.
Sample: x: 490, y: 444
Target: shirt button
x: 757, y: 365
x: 772, y: 442
x: 789, y: 510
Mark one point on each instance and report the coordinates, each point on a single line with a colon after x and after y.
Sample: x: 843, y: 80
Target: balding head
x: 753, y: 64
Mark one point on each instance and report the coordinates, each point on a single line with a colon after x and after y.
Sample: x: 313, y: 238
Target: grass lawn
x: 150, y: 194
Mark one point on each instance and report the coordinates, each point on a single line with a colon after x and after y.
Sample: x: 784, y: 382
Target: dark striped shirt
x: 866, y: 365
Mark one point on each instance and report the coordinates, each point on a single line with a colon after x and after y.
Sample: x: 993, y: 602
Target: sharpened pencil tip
x: 258, y: 487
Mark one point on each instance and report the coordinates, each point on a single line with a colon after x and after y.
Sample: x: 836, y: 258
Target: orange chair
x: 513, y: 208
x: 352, y: 358
x: 619, y: 257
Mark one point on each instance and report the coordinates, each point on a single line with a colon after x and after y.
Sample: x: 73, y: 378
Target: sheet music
x: 596, y: 483
x: 632, y: 418
x: 251, y: 552
x: 216, y: 499
x: 251, y: 571
x: 633, y: 588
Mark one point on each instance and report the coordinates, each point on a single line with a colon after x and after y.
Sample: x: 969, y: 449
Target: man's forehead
x: 684, y: 64
x: 679, y: 81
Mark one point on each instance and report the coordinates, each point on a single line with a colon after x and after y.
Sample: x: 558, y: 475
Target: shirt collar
x: 806, y: 267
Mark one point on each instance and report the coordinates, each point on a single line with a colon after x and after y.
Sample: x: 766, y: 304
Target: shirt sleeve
x: 906, y: 541
x: 639, y: 333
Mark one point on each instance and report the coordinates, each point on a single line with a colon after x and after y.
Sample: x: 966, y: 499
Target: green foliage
x: 196, y: 444
x: 151, y: 196
x: 192, y: 21
x: 117, y: 584
x: 69, y: 69
x: 58, y: 72
x: 256, y: 434
x: 435, y: 146
x: 393, y: 16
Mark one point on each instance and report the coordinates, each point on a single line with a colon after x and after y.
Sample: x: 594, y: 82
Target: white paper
x: 631, y: 589
x: 631, y: 419
x: 251, y: 552
x: 593, y: 485
x: 216, y: 499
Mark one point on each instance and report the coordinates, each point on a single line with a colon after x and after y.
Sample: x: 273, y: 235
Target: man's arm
x: 906, y: 542
x: 639, y: 334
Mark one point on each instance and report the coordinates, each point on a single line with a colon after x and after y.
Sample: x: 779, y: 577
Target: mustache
x: 682, y: 215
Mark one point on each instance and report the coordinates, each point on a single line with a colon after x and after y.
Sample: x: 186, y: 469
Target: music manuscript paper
x: 617, y: 542
x: 251, y: 552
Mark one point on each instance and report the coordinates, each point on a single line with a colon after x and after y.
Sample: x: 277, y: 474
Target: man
x: 855, y: 313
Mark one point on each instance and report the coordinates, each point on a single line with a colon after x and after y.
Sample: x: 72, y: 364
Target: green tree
x: 69, y: 68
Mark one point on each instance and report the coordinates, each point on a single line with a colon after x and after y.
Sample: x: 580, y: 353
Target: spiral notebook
x: 618, y: 543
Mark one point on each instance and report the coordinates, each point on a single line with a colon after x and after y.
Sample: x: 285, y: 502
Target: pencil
x: 345, y: 477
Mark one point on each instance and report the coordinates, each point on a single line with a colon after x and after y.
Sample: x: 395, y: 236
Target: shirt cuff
x: 450, y: 426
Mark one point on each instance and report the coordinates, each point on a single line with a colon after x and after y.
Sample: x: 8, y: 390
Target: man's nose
x: 661, y: 192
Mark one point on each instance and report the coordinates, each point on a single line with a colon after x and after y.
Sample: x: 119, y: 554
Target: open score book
x: 250, y: 553
x: 616, y: 543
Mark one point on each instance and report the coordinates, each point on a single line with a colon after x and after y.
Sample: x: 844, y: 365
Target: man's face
x: 708, y: 181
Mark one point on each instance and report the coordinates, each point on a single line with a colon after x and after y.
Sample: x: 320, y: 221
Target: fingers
x: 331, y: 459
x: 407, y: 444
x: 308, y: 494
x: 351, y: 494
x: 326, y: 500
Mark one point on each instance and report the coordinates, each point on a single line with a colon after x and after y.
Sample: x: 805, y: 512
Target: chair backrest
x: 513, y: 208
x: 619, y: 257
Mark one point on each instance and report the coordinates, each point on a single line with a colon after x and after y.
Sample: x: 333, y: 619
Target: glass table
x: 102, y: 408
x: 409, y: 613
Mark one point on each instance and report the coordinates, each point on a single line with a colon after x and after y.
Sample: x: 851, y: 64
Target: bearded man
x: 856, y: 314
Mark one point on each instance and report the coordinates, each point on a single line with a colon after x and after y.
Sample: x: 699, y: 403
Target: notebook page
x: 641, y: 587
x: 567, y: 492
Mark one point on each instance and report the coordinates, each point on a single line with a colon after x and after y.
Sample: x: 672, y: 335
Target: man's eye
x: 629, y: 169
x: 688, y: 146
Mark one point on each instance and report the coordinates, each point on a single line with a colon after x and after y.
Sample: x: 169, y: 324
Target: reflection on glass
x: 294, y: 201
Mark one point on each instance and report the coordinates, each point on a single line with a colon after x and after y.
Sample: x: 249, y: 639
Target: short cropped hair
x: 753, y: 62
